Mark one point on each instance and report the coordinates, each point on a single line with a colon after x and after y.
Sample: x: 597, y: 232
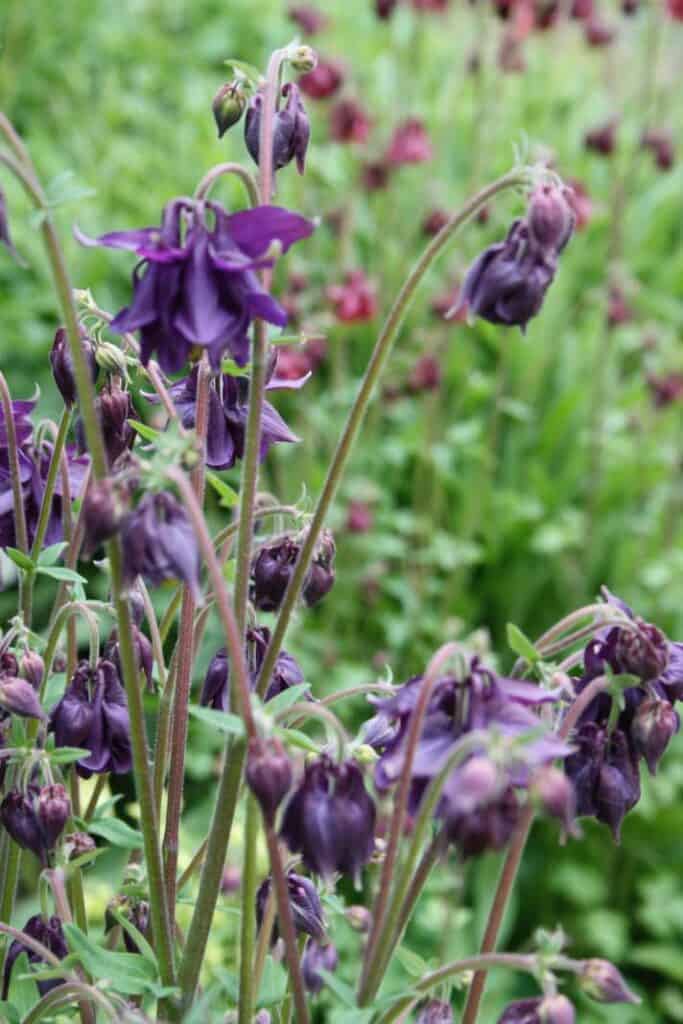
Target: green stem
x: 264, y: 938
x: 212, y: 176
x: 248, y: 920
x: 286, y: 924
x: 379, y: 357
x: 55, y: 461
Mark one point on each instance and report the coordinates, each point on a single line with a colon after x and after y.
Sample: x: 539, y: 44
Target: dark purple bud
x: 138, y: 915
x: 268, y: 774
x: 271, y: 572
x: 77, y: 844
x: 644, y: 653
x: 9, y: 666
x: 53, y: 808
x: 618, y: 783
x: 436, y: 1012
x: 115, y: 407
x: 602, y: 139
x: 32, y: 668
x: 307, y: 910
x: 321, y: 575
x: 654, y: 725
x: 49, y: 932
x: 19, y: 698
x: 488, y: 827
x: 317, y: 957
x: 18, y: 815
x: 385, y: 8
x: 228, y: 106
x: 63, y: 367
x: 330, y: 819
x: 602, y: 981
x: 215, y: 691
x: 142, y: 650
x: 550, y: 217
x: 522, y: 1011
x: 660, y: 143
x: 323, y: 81
x: 105, y: 504
x: 159, y: 543
x: 291, y: 129
x: 5, y: 237
x: 555, y: 794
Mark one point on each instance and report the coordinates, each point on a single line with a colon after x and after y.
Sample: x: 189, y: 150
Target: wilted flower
x: 317, y: 956
x: 309, y: 19
x: 330, y: 819
x: 354, y: 301
x: 307, y: 910
x: 199, y: 286
x: 323, y: 81
x: 291, y: 129
x: 507, y: 283
x: 268, y: 774
x: 47, y: 931
x: 228, y: 411
x: 409, y: 144
x: 349, y: 122
x: 93, y: 714
x: 63, y: 367
x: 228, y: 105
x: 159, y: 543
x: 602, y: 981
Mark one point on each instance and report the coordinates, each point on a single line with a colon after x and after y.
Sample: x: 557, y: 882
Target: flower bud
x: 653, y: 726
x: 556, y: 1010
x: 138, y: 915
x: 291, y: 129
x: 77, y: 844
x: 317, y: 957
x: 359, y: 918
x: 228, y: 106
x: 271, y: 571
x: 643, y: 652
x: 19, y: 698
x: 63, y: 367
x: 436, y: 1012
x: 321, y: 574
x: 303, y: 59
x: 32, y: 668
x: 18, y: 815
x: 602, y: 981
x: 550, y: 218
x: 268, y: 774
x: 322, y: 81
x: 53, y: 810
x: 555, y: 793
x: 47, y: 931
x: 104, y: 507
x: 307, y: 910
x: 602, y: 139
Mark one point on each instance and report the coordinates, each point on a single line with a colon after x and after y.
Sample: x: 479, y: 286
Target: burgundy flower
x: 269, y: 774
x: 666, y: 388
x: 354, y: 301
x: 375, y: 175
x: 159, y: 543
x: 349, y: 122
x: 425, y: 375
x: 676, y: 9
x: 196, y: 285
x: 49, y: 932
x: 597, y: 33
x: 309, y: 19
x: 323, y: 81
x: 409, y: 144
x: 307, y: 910
x: 660, y: 144
x: 93, y: 714
x: 603, y: 138
x: 434, y: 221
x: 358, y: 517
x: 385, y: 8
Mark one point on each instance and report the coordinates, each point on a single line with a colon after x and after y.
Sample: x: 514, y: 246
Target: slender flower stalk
x: 286, y: 924
x: 211, y: 177
x: 51, y: 480
x: 248, y: 993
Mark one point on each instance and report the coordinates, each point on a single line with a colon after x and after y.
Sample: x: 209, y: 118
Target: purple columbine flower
x: 216, y: 689
x: 291, y: 129
x: 228, y: 411
x: 307, y: 910
x: 196, y: 283
x: 159, y: 543
x: 36, y: 818
x: 330, y: 819
x: 273, y: 567
x: 48, y: 931
x: 507, y: 283
x: 93, y: 714
x: 317, y: 956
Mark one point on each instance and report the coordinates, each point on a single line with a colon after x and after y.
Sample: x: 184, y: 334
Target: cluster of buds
x: 49, y: 932
x: 36, y: 818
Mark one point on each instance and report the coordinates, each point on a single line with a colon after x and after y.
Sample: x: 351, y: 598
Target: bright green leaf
x: 520, y: 644
x: 117, y: 833
x: 224, y: 721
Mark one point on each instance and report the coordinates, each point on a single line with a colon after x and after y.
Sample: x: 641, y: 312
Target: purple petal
x: 255, y: 230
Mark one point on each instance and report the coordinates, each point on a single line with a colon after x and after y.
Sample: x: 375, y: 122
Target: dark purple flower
x: 142, y: 650
x: 269, y: 774
x: 309, y: 19
x: 93, y: 714
x: 159, y: 543
x: 291, y: 129
x: 271, y: 571
x: 18, y: 697
x: 53, y: 809
x: 198, y: 286
x: 655, y: 723
x: 5, y: 237
x: 330, y: 819
x: 18, y: 814
x: 539, y: 1010
x: 604, y: 771
x: 228, y: 411
x: 104, y: 507
x: 216, y: 689
x: 317, y: 956
x: 49, y: 932
x: 32, y: 668
x: 63, y: 367
x: 321, y: 574
x: 23, y: 428
x: 307, y: 910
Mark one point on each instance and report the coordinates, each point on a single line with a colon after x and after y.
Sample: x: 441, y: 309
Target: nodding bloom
x: 291, y: 129
x: 354, y: 301
x: 385, y: 8
x: 409, y: 144
x: 330, y: 819
x: 228, y: 412
x: 603, y: 138
x: 269, y: 774
x: 196, y: 284
x: 323, y: 81
x: 46, y: 930
x: 479, y: 804
x: 273, y: 567
x: 604, y: 768
x: 665, y: 389
x: 349, y: 122
x: 216, y: 689
x: 34, y: 464
x: 307, y: 910
x: 159, y: 543
x: 93, y: 714
x: 660, y: 144
x: 507, y: 283
x: 317, y: 956
x: 676, y: 9
x: 36, y: 818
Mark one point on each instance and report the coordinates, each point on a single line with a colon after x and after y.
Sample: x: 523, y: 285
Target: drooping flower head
x: 47, y: 931
x: 286, y: 673
x: 36, y: 817
x: 307, y: 910
x: 159, y: 543
x: 93, y: 714
x: 196, y: 284
x: 323, y: 81
x: 291, y: 129
x: 317, y: 956
x: 349, y: 122
x: 355, y: 300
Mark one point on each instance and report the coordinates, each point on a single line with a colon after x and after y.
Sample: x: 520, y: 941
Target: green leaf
x: 128, y: 973
x: 9, y: 1012
x: 149, y: 433
x: 226, y: 493
x: 117, y: 833
x: 67, y: 755
x: 243, y: 69
x: 59, y: 572
x: 136, y: 935
x: 20, y: 559
x: 224, y: 721
x: 286, y: 699
x: 22, y: 991
x: 521, y: 644
x: 342, y: 991
x: 296, y: 738
x: 273, y: 984
x: 50, y: 555
x: 413, y: 964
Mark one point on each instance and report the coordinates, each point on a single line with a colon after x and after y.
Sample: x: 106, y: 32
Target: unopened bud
x: 436, y: 1012
x: 317, y: 956
x: 62, y: 364
x: 654, y: 724
x: 268, y: 774
x: 303, y: 59
x: 111, y: 358
x: 54, y: 810
x: 556, y: 1010
x: 32, y: 668
x: 555, y: 793
x: 104, y: 507
x: 321, y: 575
x: 359, y: 918
x: 602, y: 981
x: 228, y: 105
x: 19, y: 698
x: 77, y: 844
x: 550, y: 217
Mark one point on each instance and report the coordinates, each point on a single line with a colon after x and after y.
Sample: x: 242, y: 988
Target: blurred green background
x: 538, y: 469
